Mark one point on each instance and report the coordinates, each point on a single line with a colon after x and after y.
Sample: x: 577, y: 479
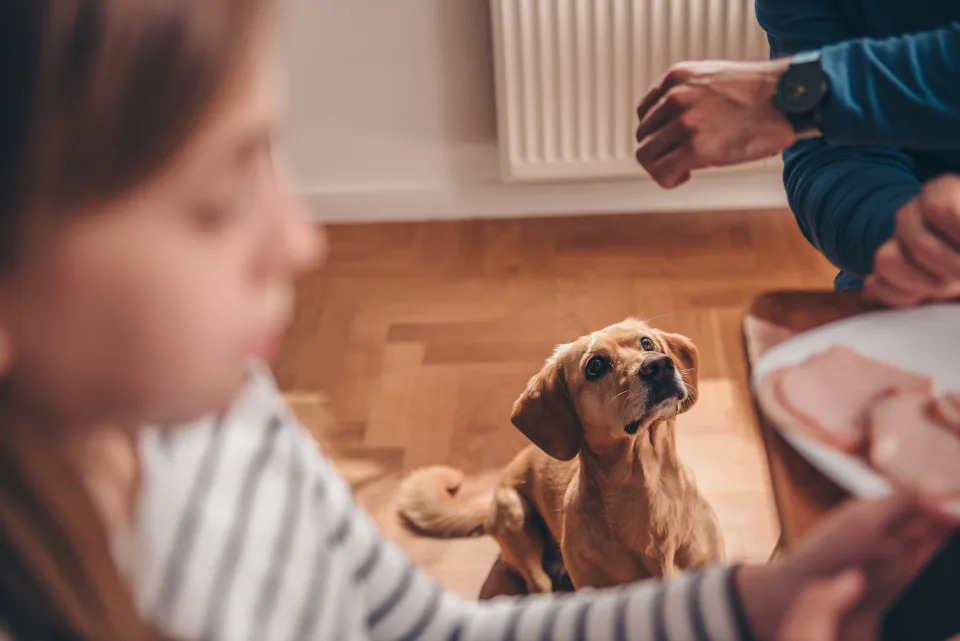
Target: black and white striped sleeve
x: 402, y: 603
x: 246, y: 532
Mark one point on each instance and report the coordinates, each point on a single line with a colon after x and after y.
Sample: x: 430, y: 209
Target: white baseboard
x: 760, y: 189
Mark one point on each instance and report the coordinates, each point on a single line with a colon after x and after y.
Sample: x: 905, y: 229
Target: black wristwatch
x: 801, y: 91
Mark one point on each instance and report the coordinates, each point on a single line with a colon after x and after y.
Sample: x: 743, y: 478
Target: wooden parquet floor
x: 421, y: 336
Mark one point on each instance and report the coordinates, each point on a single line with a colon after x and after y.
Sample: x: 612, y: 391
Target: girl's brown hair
x: 97, y: 96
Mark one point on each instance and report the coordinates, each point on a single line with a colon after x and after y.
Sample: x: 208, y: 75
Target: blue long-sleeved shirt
x: 891, y: 121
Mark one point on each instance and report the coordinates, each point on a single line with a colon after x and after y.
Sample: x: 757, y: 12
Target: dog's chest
x: 644, y: 516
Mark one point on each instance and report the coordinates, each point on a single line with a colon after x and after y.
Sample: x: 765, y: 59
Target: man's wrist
x: 801, y: 89
x: 771, y: 72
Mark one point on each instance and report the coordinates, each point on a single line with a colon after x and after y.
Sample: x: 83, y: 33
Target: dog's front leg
x: 588, y: 576
x: 521, y: 542
x: 668, y: 560
x: 592, y: 564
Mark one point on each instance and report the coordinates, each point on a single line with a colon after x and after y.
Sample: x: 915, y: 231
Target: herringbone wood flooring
x: 422, y: 335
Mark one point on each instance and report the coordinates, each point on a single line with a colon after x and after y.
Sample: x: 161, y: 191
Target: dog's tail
x: 428, y: 504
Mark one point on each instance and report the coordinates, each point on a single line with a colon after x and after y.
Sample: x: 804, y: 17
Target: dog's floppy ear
x: 686, y: 356
x: 546, y: 415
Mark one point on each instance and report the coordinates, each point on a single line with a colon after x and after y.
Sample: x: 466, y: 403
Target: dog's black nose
x: 657, y: 369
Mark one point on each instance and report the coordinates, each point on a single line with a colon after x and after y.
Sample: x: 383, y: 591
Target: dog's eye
x: 596, y: 367
x: 648, y: 344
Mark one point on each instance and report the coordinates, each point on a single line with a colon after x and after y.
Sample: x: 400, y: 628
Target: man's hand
x: 710, y: 114
x: 921, y: 262
x: 888, y: 542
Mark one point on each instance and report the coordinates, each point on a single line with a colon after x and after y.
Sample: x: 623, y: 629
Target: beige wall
x: 393, y: 117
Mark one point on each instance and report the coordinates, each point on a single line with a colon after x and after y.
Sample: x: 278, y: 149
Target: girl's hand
x: 819, y: 611
x: 887, y: 541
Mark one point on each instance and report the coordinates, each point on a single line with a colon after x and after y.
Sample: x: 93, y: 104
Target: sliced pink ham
x: 946, y: 409
x: 909, y: 445
x: 830, y: 392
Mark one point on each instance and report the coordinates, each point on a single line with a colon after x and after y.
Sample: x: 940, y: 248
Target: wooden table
x: 803, y: 494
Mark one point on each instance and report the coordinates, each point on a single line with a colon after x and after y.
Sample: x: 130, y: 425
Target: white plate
x: 921, y: 339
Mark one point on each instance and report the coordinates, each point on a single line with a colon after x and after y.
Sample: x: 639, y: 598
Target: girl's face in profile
x: 147, y: 308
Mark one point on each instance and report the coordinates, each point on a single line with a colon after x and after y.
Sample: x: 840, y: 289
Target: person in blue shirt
x: 864, y: 97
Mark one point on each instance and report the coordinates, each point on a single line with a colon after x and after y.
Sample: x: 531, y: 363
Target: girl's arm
x: 247, y: 532
x: 400, y: 602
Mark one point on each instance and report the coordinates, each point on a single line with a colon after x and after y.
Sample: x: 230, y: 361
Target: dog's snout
x: 657, y: 368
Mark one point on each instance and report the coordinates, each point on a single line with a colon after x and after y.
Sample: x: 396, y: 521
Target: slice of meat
x: 771, y: 402
x: 911, y: 447
x: 946, y: 409
x: 830, y: 392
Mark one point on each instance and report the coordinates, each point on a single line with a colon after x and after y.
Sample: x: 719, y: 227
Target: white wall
x: 393, y: 117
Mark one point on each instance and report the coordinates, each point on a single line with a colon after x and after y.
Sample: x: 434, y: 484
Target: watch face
x: 801, y: 88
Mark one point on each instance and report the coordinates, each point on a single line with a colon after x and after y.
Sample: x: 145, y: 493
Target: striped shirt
x: 245, y: 532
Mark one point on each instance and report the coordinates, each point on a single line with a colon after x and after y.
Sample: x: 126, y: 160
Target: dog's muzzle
x: 662, y: 380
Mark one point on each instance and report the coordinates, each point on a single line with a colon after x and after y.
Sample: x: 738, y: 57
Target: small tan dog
x: 604, y: 480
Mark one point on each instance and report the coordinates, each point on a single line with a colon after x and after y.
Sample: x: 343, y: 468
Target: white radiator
x: 570, y: 73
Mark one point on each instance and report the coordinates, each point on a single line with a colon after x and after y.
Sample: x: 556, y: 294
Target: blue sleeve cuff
x: 845, y: 198
x: 845, y: 282
x: 898, y: 92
